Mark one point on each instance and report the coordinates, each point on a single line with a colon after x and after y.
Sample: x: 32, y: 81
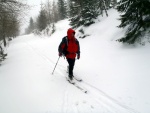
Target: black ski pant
x: 71, y: 63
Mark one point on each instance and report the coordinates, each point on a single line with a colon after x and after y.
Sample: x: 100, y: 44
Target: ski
x: 77, y: 86
x: 78, y: 79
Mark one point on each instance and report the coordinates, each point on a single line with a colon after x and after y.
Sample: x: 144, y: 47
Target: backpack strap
x: 66, y: 41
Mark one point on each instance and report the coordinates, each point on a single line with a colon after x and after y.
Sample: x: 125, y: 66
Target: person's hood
x: 69, y: 33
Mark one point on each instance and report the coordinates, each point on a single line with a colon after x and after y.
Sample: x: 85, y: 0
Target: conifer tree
x: 89, y: 12
x: 74, y: 13
x: 42, y: 20
x: 136, y: 16
x: 55, y: 14
x: 85, y: 11
x: 48, y: 8
x: 70, y: 11
x: 30, y: 27
x: 61, y: 9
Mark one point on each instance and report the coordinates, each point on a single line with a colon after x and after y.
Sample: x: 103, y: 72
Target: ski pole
x: 55, y: 65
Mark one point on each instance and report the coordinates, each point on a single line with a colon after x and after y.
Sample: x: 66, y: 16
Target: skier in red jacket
x: 69, y: 47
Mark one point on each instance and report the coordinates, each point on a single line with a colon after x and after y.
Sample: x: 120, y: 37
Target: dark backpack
x: 65, y: 41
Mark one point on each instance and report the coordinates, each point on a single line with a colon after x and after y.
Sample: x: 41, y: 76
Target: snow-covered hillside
x: 116, y: 76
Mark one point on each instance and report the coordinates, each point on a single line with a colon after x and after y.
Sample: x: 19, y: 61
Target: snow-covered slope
x: 115, y: 75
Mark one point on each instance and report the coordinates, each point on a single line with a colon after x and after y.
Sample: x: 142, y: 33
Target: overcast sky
x: 36, y: 6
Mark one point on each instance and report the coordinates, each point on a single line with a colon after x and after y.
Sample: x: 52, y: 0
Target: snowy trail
x: 101, y: 98
x: 92, y: 102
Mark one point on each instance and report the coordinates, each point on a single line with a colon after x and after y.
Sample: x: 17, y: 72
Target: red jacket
x: 69, y: 45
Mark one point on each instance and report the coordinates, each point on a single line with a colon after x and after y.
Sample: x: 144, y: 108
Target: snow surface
x: 115, y: 75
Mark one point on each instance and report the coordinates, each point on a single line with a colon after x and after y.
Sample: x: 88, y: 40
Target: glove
x: 60, y: 54
x: 78, y: 57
